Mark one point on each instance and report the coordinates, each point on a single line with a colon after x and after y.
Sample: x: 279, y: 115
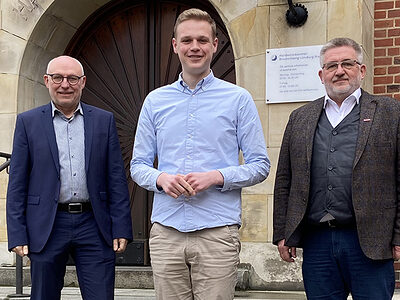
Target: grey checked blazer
x: 376, y: 175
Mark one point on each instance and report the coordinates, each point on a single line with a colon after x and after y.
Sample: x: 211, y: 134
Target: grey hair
x: 341, y: 42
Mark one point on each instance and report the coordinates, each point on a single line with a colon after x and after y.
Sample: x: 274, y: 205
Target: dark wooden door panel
x: 125, y: 48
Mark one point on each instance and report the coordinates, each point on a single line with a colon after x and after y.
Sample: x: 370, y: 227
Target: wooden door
x: 125, y: 48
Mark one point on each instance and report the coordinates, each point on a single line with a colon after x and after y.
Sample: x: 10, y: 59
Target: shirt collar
x: 54, y: 109
x: 356, y: 94
x: 202, y: 84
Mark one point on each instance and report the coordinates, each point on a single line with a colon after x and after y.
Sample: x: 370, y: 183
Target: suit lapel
x: 48, y: 126
x: 367, y: 112
x: 314, y: 112
x: 88, y: 123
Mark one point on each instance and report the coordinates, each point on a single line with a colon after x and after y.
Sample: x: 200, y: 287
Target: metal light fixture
x: 297, y: 14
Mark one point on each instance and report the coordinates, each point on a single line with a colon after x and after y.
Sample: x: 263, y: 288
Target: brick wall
x: 387, y: 58
x: 387, y: 48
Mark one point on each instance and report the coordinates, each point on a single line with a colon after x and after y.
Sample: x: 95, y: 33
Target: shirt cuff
x: 227, y: 180
x: 155, y: 177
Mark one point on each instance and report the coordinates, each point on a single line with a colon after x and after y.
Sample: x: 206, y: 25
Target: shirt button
x: 330, y: 168
x: 330, y: 187
x: 334, y: 132
x: 74, y: 174
x: 332, y: 149
x: 74, y: 194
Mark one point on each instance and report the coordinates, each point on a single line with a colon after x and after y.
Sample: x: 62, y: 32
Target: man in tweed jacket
x: 337, y: 184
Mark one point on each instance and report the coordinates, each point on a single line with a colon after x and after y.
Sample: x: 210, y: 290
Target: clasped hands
x: 189, y: 184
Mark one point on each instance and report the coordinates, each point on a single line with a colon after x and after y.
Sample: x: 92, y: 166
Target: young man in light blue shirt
x: 196, y: 128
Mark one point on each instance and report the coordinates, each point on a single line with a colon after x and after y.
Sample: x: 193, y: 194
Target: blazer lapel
x: 48, y: 126
x: 367, y: 112
x: 88, y: 123
x: 313, y: 116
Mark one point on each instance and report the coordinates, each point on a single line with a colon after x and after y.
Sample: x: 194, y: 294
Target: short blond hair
x: 196, y: 14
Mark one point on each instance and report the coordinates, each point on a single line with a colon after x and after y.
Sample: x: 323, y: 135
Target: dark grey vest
x: 331, y: 169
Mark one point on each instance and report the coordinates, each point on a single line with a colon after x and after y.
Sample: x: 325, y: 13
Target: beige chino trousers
x: 200, y: 265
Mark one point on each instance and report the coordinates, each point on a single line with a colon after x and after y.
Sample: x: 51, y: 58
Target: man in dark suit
x: 67, y: 191
x: 337, y: 184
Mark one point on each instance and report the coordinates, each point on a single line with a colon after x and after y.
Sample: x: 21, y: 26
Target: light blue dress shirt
x: 70, y: 137
x: 197, y: 131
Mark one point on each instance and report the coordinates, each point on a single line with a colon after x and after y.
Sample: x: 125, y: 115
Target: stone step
x: 125, y: 277
x: 137, y: 277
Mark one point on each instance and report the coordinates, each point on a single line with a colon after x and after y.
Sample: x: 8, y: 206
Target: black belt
x: 75, y: 207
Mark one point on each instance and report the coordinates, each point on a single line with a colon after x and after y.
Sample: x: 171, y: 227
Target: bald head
x: 64, y: 59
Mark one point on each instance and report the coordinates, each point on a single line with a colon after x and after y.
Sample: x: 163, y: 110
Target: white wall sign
x: 292, y: 74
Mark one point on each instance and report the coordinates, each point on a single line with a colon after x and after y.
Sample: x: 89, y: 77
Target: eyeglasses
x: 72, y: 79
x: 345, y: 64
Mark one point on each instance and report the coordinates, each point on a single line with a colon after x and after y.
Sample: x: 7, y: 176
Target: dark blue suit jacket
x: 34, y: 183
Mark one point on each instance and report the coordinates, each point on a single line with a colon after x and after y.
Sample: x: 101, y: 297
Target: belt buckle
x: 75, y: 208
x: 331, y: 224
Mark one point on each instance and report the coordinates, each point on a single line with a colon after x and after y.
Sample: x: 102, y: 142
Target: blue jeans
x: 334, y: 266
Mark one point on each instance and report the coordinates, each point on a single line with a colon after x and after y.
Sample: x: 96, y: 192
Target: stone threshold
x: 139, y: 277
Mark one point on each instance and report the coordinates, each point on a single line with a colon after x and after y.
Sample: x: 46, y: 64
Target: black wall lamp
x: 296, y: 15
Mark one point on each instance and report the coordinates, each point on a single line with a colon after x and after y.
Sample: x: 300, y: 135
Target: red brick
x: 393, y: 70
x: 396, y: 79
x: 384, y: 61
x: 397, y: 4
x: 397, y: 97
x: 383, y: 43
x: 383, y: 80
x: 380, y: 15
x: 393, y: 51
x: 379, y: 89
x: 380, y: 33
x: 397, y: 41
x: 394, y: 32
x: 394, y: 13
x: 384, y: 5
x: 383, y: 24
x: 380, y: 71
x: 397, y: 24
x: 394, y: 88
x: 380, y: 52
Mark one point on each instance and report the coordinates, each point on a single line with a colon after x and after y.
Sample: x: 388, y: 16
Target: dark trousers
x: 334, y: 266
x: 78, y: 235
